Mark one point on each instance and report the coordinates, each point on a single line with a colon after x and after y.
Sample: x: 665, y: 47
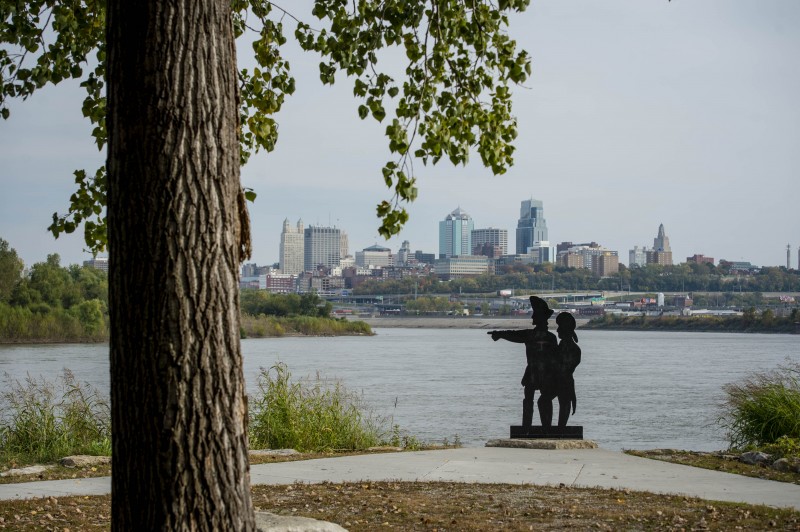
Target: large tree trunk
x: 177, y: 388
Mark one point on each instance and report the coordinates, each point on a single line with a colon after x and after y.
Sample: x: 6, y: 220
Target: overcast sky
x: 637, y: 113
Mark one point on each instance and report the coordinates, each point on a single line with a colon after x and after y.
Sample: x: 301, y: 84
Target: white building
x: 375, y: 257
x: 292, y: 249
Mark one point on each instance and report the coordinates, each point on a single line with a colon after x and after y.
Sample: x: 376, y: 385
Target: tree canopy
x: 454, y: 95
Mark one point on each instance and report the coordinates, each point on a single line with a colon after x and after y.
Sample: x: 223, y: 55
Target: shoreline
x: 450, y: 322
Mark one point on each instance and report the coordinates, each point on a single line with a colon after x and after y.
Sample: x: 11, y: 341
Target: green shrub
x: 43, y: 421
x: 310, y: 415
x: 763, y: 407
x: 784, y: 447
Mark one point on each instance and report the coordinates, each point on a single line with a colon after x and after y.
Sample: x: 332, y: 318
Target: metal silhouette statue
x: 549, y: 369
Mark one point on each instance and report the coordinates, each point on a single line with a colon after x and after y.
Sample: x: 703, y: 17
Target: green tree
x: 178, y: 120
x: 10, y: 270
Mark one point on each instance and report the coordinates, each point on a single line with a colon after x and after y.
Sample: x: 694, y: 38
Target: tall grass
x: 763, y: 407
x: 310, y: 415
x: 43, y: 421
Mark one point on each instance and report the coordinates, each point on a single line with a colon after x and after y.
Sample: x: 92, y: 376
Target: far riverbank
x: 450, y: 322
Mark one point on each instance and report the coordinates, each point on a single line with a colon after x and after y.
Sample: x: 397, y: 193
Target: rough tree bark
x: 177, y: 387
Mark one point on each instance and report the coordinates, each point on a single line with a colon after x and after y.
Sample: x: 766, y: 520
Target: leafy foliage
x: 454, y: 95
x: 256, y: 302
x: 10, y: 270
x: 53, y: 303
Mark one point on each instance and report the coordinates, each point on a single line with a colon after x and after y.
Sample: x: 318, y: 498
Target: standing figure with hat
x: 561, y: 383
x: 541, y: 351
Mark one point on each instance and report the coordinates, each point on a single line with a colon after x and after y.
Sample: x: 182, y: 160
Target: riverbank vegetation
x: 763, y: 409
x: 43, y: 421
x: 750, y: 321
x: 54, y: 304
x: 51, y: 303
x: 311, y: 415
x: 270, y: 315
x: 730, y: 287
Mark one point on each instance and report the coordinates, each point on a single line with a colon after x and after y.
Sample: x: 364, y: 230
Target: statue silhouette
x: 559, y: 381
x: 541, y: 352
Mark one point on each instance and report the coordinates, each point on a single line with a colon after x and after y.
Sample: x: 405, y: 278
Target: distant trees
x: 650, y: 278
x: 10, y: 270
x: 51, y: 303
x: 257, y: 302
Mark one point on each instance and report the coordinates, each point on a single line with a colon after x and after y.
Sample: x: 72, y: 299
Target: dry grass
x: 445, y: 506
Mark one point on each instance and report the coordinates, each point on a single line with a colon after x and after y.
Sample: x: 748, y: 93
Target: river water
x: 635, y: 390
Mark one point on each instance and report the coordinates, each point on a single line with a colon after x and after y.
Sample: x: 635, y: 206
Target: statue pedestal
x: 547, y: 433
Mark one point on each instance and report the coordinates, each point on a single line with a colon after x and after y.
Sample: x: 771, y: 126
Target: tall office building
x: 661, y: 252
x: 490, y: 242
x: 291, y: 252
x: 637, y: 256
x: 404, y: 253
x: 322, y: 245
x: 455, y: 234
x: 531, y: 227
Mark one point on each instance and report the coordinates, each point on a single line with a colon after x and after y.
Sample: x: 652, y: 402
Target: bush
x: 763, y: 407
x: 44, y: 421
x: 310, y: 415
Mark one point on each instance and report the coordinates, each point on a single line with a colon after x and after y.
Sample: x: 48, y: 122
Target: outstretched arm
x: 518, y: 337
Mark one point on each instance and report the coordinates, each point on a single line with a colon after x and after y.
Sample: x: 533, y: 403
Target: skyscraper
x: 322, y: 245
x: 531, y: 227
x: 661, y: 242
x: 661, y: 252
x: 291, y: 251
x: 455, y: 234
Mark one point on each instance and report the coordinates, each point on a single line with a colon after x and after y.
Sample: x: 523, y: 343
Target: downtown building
x: 374, y: 257
x: 322, y: 246
x: 531, y: 226
x: 661, y: 252
x: 490, y: 242
x: 455, y: 234
x: 292, y: 250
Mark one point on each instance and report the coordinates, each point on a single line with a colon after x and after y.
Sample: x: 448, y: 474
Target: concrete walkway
x: 584, y: 467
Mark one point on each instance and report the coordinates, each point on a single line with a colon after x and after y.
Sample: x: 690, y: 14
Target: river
x: 635, y: 390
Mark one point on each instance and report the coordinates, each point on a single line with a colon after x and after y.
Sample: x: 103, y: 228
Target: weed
x: 763, y: 407
x: 309, y: 415
x: 45, y: 421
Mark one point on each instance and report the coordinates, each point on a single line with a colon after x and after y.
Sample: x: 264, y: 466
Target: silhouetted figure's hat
x: 566, y: 323
x: 540, y: 307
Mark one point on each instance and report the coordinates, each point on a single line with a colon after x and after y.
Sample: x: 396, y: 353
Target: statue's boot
x: 527, y: 413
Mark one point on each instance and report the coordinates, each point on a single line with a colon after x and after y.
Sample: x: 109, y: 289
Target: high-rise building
x: 344, y: 245
x: 661, y: 252
x: 404, y: 253
x: 531, y: 226
x: 637, y: 256
x: 490, y: 242
x: 292, y: 250
x: 661, y: 241
x: 322, y: 245
x: 455, y: 234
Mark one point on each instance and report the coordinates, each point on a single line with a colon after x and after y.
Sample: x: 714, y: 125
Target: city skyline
x: 679, y: 113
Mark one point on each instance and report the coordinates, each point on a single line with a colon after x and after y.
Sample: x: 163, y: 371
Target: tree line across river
x: 53, y: 303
